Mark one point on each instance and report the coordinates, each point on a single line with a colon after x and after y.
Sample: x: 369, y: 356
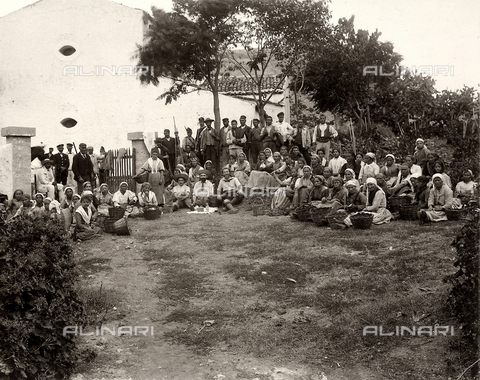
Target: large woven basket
x: 213, y: 201
x: 121, y: 227
x: 362, y: 221
x: 258, y: 206
x: 151, y: 212
x: 409, y: 212
x: 335, y: 220
x: 303, y: 212
x: 454, y: 214
x: 141, y: 177
x: 116, y: 212
x: 319, y: 215
x: 396, y: 202
x: 108, y: 225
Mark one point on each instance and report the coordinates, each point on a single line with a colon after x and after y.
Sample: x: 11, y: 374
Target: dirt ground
x: 137, y: 267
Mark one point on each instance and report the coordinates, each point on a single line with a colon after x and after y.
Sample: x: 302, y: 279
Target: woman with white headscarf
x: 126, y: 199
x: 390, y: 170
x: 349, y: 176
x: 420, y: 157
x: 105, y: 200
x: 465, y: 189
x: 156, y: 174
x: 302, y: 187
x: 376, y: 204
x: 440, y: 198
x: 370, y: 169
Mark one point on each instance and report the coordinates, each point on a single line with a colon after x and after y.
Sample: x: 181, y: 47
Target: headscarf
x: 143, y: 186
x: 471, y: 173
x: 371, y: 180
x: 269, y: 159
x: 415, y: 175
x: 103, y: 184
x: 371, y: 155
x: 181, y: 167
x: 65, y: 190
x: 243, y: 154
x: 208, y: 161
x: 351, y: 183
x: 390, y: 155
x: 419, y: 140
x: 43, y: 196
x: 265, y: 151
x: 321, y: 178
x: 338, y: 178
x: 85, y: 184
x: 76, y: 195
x: 87, y: 193
x: 351, y: 171
x: 437, y: 175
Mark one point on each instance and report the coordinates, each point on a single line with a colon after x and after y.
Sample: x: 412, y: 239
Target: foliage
x: 463, y: 298
x: 189, y: 45
x: 38, y: 300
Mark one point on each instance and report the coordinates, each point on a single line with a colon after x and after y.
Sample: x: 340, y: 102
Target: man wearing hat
x: 203, y: 189
x: 181, y: 193
x: 170, y: 144
x: 46, y: 181
x: 255, y: 138
x: 323, y: 134
x: 284, y: 129
x: 188, y: 141
x: 50, y: 154
x: 70, y: 154
x: 208, y: 142
x: 223, y: 142
x: 82, y: 167
x: 244, y: 127
x: 62, y: 163
x: 202, y: 126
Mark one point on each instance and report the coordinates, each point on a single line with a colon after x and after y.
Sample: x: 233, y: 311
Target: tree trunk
x: 216, y: 109
x: 369, y: 121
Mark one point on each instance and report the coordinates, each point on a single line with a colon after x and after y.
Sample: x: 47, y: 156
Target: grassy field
x: 294, y: 293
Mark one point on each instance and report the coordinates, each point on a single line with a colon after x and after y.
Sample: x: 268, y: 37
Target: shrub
x: 37, y: 300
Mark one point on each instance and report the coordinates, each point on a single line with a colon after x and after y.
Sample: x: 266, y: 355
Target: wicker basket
x: 141, y: 177
x: 409, y: 212
x: 454, y: 214
x: 303, y: 212
x: 151, y: 212
x: 319, y: 215
x: 258, y: 206
x: 335, y: 220
x: 120, y: 226
x: 362, y: 221
x: 108, y: 225
x: 396, y: 202
x: 213, y: 201
x: 116, y: 212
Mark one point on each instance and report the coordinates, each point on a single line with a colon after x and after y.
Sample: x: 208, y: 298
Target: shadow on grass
x: 93, y: 265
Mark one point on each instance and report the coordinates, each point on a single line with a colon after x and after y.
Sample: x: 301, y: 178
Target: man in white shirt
x: 202, y: 190
x: 336, y: 163
x: 236, y: 139
x: 323, y: 134
x: 96, y: 168
x: 229, y: 191
x: 46, y: 181
x: 284, y: 129
x: 70, y: 179
x: 181, y: 193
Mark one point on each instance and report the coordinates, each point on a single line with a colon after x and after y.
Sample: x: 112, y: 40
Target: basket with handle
x: 108, y: 225
x: 362, y: 220
x: 258, y: 206
x: 141, y: 177
x: 454, y: 213
x: 396, y: 202
x: 151, y: 212
x: 319, y: 215
x: 303, y: 212
x: 116, y: 212
x: 409, y: 212
x: 121, y: 227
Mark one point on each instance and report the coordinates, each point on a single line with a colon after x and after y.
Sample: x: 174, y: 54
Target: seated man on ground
x: 440, y: 198
x: 181, y: 193
x: 84, y: 218
x: 202, y: 190
x: 229, y: 192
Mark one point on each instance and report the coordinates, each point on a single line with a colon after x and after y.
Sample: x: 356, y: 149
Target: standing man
x: 70, y: 180
x: 301, y: 138
x: 256, y: 145
x: 269, y: 135
x: 170, y: 144
x: 188, y: 141
x: 82, y: 167
x: 285, y: 130
x: 201, y: 123
x: 236, y: 139
x: 96, y: 168
x: 323, y: 134
x: 208, y: 142
x: 223, y: 143
x: 50, y: 154
x: 62, y: 163
x: 244, y: 127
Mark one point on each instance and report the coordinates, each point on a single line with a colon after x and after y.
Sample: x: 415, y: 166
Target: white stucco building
x: 61, y: 65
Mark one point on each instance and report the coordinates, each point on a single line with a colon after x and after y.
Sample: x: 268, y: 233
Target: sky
x: 443, y: 36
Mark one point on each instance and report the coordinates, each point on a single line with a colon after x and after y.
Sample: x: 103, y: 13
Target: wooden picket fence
x: 123, y: 170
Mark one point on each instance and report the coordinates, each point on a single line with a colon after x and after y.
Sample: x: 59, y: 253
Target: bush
x: 37, y: 300
x: 463, y: 297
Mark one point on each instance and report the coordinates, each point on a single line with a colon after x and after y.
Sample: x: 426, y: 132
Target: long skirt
x: 154, y: 179
x: 242, y: 177
x: 261, y: 179
x: 89, y: 233
x: 103, y: 209
x: 300, y: 196
x: 436, y: 216
x: 379, y: 217
x: 282, y: 198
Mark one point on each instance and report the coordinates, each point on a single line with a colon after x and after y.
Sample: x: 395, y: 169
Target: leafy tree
x: 189, y: 45
x: 277, y: 34
x: 335, y: 78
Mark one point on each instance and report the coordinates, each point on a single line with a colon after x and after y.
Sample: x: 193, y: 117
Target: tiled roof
x: 241, y: 86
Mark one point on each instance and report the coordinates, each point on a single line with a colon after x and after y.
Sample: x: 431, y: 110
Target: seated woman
x: 146, y: 197
x: 327, y: 174
x: 295, y: 154
x: 284, y: 153
x: 125, y: 199
x: 268, y: 155
x: 422, y: 192
x: 14, y: 204
x: 241, y: 169
x: 52, y: 207
x: 465, y: 189
x: 193, y: 173
x: 409, y: 161
x: 440, y: 198
x: 317, y: 167
x: 104, y: 200
x: 359, y: 163
x: 337, y: 196
x: 278, y: 165
x: 440, y: 168
x: 87, y: 186
x: 382, y: 184
x: 230, y: 164
x: 212, y: 175
x: 369, y: 168
x: 349, y: 175
x: 76, y: 201
x: 282, y: 198
x: 390, y: 170
x: 229, y: 192
x: 38, y: 211
x: 430, y: 165
x: 319, y: 190
x: 299, y: 167
x: 262, y: 163
x: 302, y: 188
x: 84, y: 218
x: 67, y: 201
x: 355, y: 200
x: 376, y: 204
x: 351, y: 164
x: 322, y: 159
x: 26, y: 207
x: 260, y: 177
x: 403, y: 185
